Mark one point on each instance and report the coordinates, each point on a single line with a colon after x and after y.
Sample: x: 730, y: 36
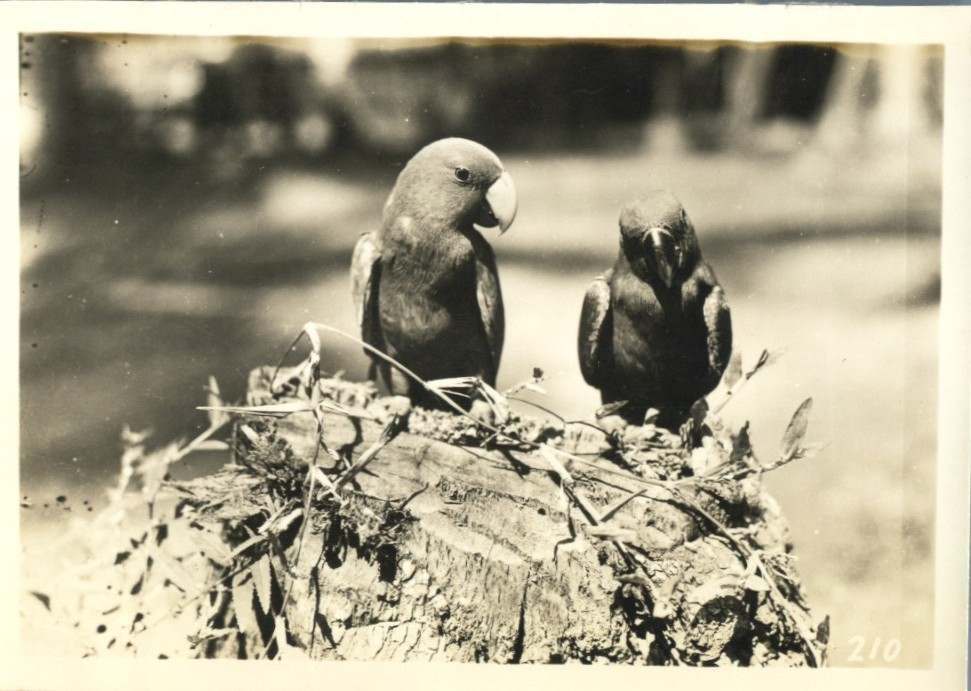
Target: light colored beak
x: 501, y: 197
x: 656, y: 234
x: 662, y: 240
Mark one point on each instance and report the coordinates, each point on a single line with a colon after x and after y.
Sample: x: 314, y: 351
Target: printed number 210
x: 887, y: 652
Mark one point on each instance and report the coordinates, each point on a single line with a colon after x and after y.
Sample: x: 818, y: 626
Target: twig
x: 390, y: 431
x: 559, y: 417
x: 538, y: 407
x: 764, y: 358
x: 279, y: 364
x: 309, y: 498
x: 614, y: 508
x: 198, y: 441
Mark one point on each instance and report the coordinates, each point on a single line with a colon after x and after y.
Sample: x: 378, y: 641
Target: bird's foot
x: 614, y: 425
x: 389, y: 406
x: 483, y: 413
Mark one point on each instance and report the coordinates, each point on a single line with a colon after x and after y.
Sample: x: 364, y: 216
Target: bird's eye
x: 462, y: 174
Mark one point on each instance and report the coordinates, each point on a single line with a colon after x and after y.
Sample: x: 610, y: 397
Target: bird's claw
x: 613, y: 425
x: 384, y: 409
x: 483, y: 412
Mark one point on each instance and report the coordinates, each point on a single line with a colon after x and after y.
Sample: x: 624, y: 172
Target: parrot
x: 425, y: 284
x: 655, y: 329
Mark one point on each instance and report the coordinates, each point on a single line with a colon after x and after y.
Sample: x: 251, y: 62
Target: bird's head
x: 459, y: 182
x: 657, y: 238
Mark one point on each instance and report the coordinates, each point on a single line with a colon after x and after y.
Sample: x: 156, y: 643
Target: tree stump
x: 449, y: 546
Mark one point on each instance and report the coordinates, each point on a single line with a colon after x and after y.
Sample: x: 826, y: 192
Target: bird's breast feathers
x: 427, y: 281
x: 649, y: 329
x: 415, y: 316
x: 434, y: 256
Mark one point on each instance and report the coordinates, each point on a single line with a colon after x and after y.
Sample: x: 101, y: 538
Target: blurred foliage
x: 101, y: 97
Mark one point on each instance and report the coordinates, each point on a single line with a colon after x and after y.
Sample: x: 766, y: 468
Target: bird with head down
x: 425, y: 285
x: 655, y: 330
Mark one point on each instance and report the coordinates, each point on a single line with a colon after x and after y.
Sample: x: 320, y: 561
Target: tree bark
x: 443, y: 552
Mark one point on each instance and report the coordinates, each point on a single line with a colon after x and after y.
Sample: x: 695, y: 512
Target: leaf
x: 691, y: 430
x: 136, y: 620
x: 137, y: 588
x: 161, y: 533
x: 651, y: 416
x: 609, y: 408
x: 792, y: 439
x: 289, y: 408
x: 284, y: 523
x: 609, y: 532
x: 243, y: 592
x: 121, y: 557
x: 741, y: 444
x: 455, y: 385
x: 699, y: 411
x: 178, y: 576
x: 756, y: 584
x: 285, y: 651
x: 716, y: 587
x: 564, y: 501
x: 773, y: 356
x: 734, y: 370
x: 452, y: 383
x: 208, y: 634
x: 326, y: 483
x: 214, y: 401
x: 250, y: 435
x: 531, y: 384
x: 213, y: 547
x: 550, y: 456
x: 212, y: 445
x: 246, y: 544
x: 822, y: 631
x: 310, y: 329
x: 263, y: 580
x: 154, y: 468
x: 271, y: 410
x: 759, y: 364
x: 636, y: 579
x: 498, y: 402
x: 44, y: 598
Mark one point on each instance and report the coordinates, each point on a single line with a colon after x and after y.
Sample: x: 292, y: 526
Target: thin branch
x: 390, y: 431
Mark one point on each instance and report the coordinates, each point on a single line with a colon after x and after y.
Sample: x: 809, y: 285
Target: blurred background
x: 187, y: 204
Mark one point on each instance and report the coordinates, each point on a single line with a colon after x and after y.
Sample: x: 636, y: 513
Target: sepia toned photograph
x: 479, y: 350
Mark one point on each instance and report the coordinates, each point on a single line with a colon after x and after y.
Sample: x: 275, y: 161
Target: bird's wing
x: 595, y: 324
x: 488, y: 295
x: 718, y: 328
x: 365, y: 275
